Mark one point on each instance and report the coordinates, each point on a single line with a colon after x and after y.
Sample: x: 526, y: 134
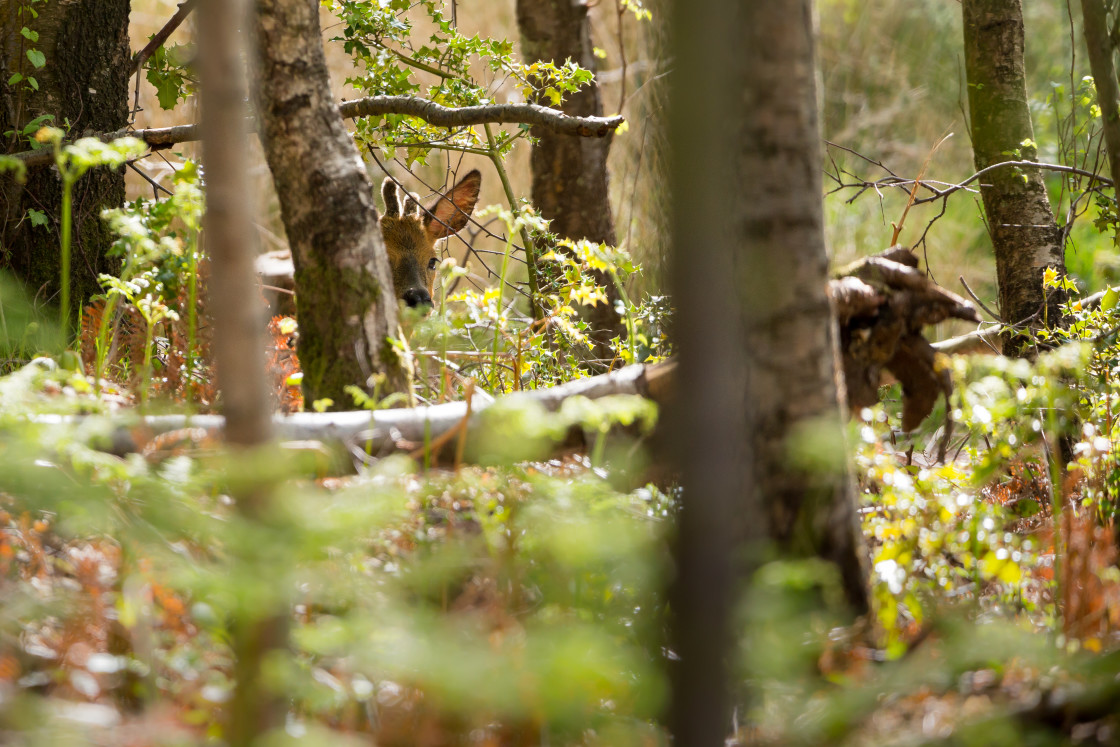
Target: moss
x: 328, y: 297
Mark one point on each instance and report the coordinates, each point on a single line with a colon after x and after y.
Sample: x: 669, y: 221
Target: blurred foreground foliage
x: 504, y: 601
x: 522, y: 602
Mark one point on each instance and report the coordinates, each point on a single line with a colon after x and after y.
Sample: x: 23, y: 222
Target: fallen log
x: 435, y: 429
x: 881, y: 302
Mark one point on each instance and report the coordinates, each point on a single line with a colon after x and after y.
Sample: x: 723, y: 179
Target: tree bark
x: 84, y: 83
x: 1101, y: 48
x: 259, y: 632
x: 1025, y: 236
x: 758, y: 353
x: 344, y: 288
x: 716, y: 468
x: 570, y: 181
x: 239, y: 341
x: 781, y: 271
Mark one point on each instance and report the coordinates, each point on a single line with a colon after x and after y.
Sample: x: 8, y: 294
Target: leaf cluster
x: 447, y: 67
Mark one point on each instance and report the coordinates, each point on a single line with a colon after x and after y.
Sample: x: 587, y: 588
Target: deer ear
x: 392, y: 202
x: 411, y: 206
x: 448, y: 214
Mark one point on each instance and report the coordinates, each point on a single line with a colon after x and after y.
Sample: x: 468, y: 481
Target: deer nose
x: 417, y: 297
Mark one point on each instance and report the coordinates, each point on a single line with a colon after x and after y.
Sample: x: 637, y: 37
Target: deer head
x: 411, y: 233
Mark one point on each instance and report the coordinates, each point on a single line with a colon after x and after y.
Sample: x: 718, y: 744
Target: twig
x: 156, y: 186
x: 979, y: 303
x: 620, y: 11
x: 1105, y: 181
x: 914, y: 190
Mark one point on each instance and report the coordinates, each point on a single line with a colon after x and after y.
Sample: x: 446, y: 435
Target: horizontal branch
x: 985, y: 340
x: 939, y: 193
x: 442, y: 116
x: 374, y: 106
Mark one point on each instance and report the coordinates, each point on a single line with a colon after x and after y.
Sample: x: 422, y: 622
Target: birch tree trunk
x: 758, y: 353
x: 571, y: 185
x: 84, y: 82
x: 780, y: 271
x: 344, y: 288
x: 1025, y: 236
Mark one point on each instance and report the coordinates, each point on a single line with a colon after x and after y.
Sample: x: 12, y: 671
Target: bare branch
x: 442, y: 116
x: 374, y: 106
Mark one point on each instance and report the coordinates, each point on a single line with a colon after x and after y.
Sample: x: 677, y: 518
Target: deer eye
x: 432, y: 263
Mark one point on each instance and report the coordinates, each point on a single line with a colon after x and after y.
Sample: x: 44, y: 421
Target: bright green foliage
x: 511, y: 598
x: 24, y: 80
x: 29, y: 131
x: 19, y: 170
x: 381, y: 38
x: 946, y: 530
x: 159, y: 244
x: 479, y: 334
x: 73, y: 161
x: 24, y: 334
x: 169, y: 72
x: 932, y: 536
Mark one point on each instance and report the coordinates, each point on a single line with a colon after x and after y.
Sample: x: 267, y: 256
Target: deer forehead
x: 405, y: 236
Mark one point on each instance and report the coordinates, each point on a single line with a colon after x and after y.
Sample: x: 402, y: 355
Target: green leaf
x: 32, y: 36
x: 167, y: 93
x: 37, y: 58
x: 1109, y: 299
x: 32, y: 82
x: 15, y: 79
x: 37, y: 217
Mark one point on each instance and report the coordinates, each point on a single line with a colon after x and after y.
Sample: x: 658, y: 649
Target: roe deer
x: 411, y: 233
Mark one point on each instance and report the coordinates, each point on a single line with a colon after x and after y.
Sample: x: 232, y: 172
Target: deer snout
x: 417, y: 297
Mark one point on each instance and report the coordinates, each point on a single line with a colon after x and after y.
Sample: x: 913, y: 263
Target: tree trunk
x: 1101, y: 48
x: 758, y: 354
x: 781, y: 271
x: 344, y: 288
x: 711, y: 385
x: 84, y: 83
x: 1024, y: 234
x: 570, y: 181
x: 262, y: 630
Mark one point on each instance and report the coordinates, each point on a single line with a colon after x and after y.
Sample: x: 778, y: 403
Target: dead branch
x: 429, y: 111
x: 937, y: 189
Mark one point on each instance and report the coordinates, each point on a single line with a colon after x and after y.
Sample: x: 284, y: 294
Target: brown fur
x: 411, y: 233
